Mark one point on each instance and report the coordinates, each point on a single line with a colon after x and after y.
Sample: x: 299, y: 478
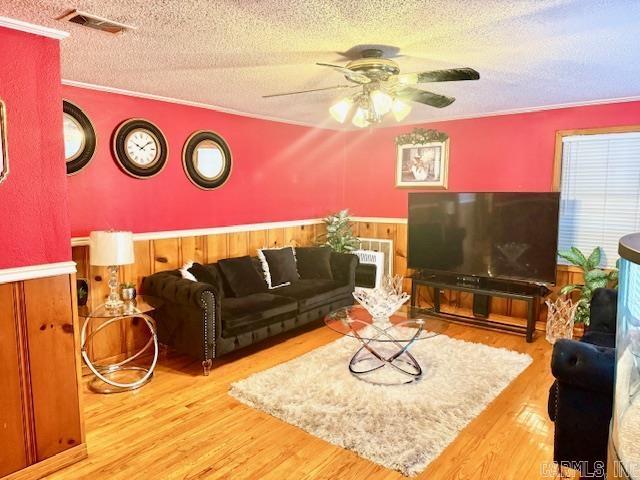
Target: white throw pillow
x: 186, y: 274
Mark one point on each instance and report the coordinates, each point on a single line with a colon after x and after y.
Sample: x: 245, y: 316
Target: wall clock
x: 140, y: 148
x: 4, y: 159
x: 206, y: 159
x: 79, y: 138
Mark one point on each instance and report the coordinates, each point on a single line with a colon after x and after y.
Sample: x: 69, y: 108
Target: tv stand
x: 483, y: 289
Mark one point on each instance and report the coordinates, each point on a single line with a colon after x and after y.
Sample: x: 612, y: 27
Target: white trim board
x: 402, y: 221
x: 14, y: 24
x: 79, y: 241
x: 496, y: 113
x: 188, y: 103
x: 30, y: 272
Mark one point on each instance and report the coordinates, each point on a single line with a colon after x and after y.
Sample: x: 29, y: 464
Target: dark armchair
x: 581, y: 398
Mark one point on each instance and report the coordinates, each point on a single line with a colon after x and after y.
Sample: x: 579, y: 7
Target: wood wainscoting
x: 167, y: 253
x: 41, y: 426
x: 154, y: 255
x: 502, y: 310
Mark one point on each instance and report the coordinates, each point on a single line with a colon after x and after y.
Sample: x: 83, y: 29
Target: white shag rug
x: 403, y: 427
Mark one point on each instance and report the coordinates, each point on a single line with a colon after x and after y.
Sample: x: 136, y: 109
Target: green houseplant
x: 594, y: 277
x: 339, y: 235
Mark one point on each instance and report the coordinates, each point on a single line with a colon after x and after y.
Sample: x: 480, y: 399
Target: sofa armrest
x: 583, y: 365
x: 343, y: 267
x: 174, y: 289
x: 189, y: 318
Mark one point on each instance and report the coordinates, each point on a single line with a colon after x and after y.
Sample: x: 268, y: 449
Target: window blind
x: 599, y: 192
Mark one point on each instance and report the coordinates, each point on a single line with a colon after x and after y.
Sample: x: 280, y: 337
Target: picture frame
x: 423, y: 165
x: 4, y: 156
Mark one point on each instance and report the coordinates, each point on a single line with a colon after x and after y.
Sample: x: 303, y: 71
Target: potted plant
x: 127, y: 291
x: 594, y: 277
x: 339, y: 235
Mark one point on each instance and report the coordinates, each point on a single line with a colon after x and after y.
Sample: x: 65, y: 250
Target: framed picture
x: 423, y: 165
x: 4, y: 158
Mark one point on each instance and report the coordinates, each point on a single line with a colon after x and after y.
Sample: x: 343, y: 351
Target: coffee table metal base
x: 374, y: 355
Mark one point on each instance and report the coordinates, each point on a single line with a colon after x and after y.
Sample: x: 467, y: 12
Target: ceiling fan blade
x: 350, y: 74
x: 449, y: 75
x: 421, y: 96
x: 335, y: 87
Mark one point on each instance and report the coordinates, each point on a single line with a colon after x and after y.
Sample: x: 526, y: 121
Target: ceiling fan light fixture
x: 340, y: 110
x: 360, y: 117
x: 400, y: 109
x: 382, y: 102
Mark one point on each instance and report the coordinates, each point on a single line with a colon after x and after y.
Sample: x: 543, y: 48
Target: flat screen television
x: 511, y: 236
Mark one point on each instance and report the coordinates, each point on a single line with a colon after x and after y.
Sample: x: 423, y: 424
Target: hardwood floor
x: 183, y: 425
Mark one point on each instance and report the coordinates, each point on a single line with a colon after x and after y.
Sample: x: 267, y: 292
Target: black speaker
x: 481, y: 305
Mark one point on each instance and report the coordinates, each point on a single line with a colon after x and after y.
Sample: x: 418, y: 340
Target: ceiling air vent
x: 96, y: 22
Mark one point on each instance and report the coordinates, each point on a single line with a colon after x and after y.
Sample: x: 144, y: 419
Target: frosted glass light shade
x: 400, y: 109
x: 340, y: 110
x: 360, y: 117
x: 381, y: 102
x: 110, y: 248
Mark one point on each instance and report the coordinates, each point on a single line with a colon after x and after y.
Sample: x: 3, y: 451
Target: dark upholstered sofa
x: 206, y: 320
x: 581, y: 398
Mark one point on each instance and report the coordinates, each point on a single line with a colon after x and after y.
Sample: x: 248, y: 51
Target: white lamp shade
x: 110, y: 248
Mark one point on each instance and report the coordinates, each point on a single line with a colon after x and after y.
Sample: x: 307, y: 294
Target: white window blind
x: 600, y: 192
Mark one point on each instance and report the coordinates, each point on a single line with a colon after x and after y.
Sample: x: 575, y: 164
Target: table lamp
x: 111, y: 249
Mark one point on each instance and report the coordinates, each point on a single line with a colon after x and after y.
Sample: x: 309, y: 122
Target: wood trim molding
x: 29, y: 272
x: 560, y: 134
x: 400, y: 221
x: 497, y: 113
x: 188, y: 103
x: 249, y: 227
x: 51, y: 464
x: 14, y: 24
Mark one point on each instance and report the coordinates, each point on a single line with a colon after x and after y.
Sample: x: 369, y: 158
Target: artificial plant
x: 594, y: 277
x: 339, y: 235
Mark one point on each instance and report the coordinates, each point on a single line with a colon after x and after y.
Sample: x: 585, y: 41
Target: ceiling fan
x: 383, y: 89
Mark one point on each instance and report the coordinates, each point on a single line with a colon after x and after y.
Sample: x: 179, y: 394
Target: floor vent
x: 95, y: 22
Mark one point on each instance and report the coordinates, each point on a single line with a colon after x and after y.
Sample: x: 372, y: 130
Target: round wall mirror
x: 79, y: 138
x: 207, y: 160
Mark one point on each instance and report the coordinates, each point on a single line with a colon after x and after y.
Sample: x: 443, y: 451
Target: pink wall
x: 280, y: 171
x: 500, y: 153
x: 33, y: 199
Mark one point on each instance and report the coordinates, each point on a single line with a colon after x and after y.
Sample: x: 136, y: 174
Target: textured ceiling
x: 530, y: 53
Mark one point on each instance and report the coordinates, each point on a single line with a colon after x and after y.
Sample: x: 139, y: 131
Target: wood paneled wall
x: 40, y: 414
x: 458, y: 302
x: 152, y: 256
x: 117, y: 340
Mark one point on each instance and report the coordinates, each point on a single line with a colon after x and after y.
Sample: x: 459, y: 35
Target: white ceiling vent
x: 96, y: 22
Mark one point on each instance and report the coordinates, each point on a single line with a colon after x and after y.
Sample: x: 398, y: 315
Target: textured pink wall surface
x: 280, y: 171
x: 499, y: 153
x: 33, y: 199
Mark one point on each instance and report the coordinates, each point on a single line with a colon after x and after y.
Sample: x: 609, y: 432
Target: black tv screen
x: 496, y: 235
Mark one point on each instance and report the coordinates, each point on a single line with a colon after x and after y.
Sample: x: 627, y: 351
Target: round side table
x: 108, y: 377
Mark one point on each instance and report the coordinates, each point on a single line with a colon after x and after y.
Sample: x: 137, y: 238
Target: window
x: 599, y: 192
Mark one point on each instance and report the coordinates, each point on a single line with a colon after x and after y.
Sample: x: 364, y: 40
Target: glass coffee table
x: 385, y: 344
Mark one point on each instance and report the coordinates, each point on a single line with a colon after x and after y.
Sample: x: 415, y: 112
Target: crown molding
x: 188, y: 103
x: 249, y: 227
x: 32, y: 28
x: 30, y: 272
x: 217, y: 108
x: 516, y: 111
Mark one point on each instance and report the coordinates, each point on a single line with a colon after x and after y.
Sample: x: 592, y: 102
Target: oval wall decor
x: 206, y: 159
x: 79, y: 138
x: 140, y: 148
